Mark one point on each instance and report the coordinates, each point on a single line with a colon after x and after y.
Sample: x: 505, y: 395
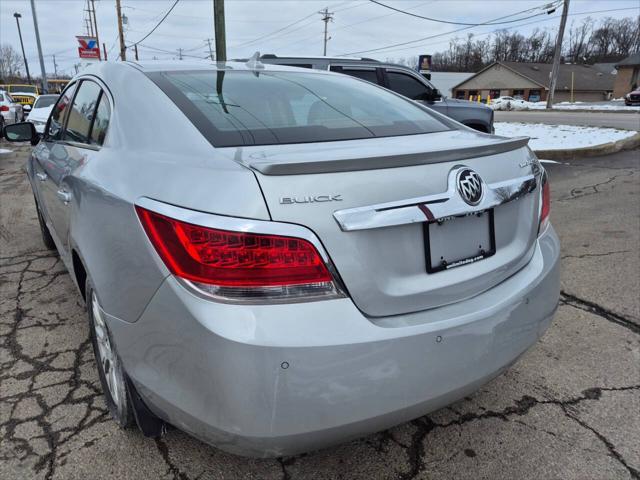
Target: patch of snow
x: 561, y: 137
x: 524, y: 105
x: 5, y: 152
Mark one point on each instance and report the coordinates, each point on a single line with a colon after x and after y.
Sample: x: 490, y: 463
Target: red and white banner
x: 88, y: 48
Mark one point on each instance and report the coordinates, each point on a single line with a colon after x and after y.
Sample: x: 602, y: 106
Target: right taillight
x: 4, y: 108
x: 239, y: 266
x: 545, y: 203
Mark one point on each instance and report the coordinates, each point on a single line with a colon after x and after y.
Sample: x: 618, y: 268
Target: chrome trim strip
x: 433, y: 207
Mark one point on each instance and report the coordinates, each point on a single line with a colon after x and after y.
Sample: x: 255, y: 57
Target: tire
x: 47, y: 239
x: 110, y: 370
x: 1, y: 126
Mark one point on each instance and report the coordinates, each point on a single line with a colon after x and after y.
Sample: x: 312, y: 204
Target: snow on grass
x: 560, y: 137
x: 613, y: 105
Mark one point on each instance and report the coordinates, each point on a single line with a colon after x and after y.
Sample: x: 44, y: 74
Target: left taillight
x: 240, y: 266
x: 4, y: 108
x: 545, y: 203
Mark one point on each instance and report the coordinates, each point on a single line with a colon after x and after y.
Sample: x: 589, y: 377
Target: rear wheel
x: 47, y: 239
x: 110, y: 370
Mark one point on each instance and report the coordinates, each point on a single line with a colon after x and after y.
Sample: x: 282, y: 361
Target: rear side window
x: 59, y: 114
x: 101, y: 121
x: 82, y: 112
x: 233, y: 108
x: 1, y: 98
x: 368, y: 75
x: 407, y: 85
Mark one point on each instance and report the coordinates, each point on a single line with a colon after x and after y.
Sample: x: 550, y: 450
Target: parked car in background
x: 400, y: 79
x: 276, y: 259
x: 23, y: 94
x: 41, y: 111
x: 10, y: 110
x: 509, y: 103
x: 632, y: 98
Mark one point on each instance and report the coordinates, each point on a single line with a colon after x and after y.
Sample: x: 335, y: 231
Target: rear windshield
x: 234, y: 108
x: 22, y: 88
x: 44, y: 101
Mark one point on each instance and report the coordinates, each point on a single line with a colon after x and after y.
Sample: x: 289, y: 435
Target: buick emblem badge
x: 469, y: 186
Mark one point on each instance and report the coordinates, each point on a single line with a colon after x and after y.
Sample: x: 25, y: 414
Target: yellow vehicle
x: 57, y: 85
x: 23, y: 94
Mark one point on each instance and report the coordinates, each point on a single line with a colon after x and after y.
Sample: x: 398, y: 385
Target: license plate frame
x: 472, y: 257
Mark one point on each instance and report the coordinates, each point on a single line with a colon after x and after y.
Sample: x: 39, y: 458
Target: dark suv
x: 400, y: 79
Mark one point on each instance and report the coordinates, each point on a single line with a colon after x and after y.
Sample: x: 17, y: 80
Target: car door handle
x: 64, y: 196
x: 41, y: 176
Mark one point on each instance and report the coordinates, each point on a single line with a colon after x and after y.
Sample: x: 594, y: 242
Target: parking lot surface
x: 569, y: 408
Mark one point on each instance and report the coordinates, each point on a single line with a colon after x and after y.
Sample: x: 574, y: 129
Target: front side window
x: 59, y: 114
x: 101, y: 121
x: 233, y: 108
x: 407, y: 85
x: 81, y: 114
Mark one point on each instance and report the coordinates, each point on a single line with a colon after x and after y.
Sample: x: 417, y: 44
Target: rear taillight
x: 239, y: 266
x: 545, y: 203
x: 4, y: 108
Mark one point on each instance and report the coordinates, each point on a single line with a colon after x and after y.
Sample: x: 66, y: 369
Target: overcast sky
x: 358, y: 25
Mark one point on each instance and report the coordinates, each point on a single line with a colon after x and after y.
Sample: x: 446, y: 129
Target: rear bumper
x: 282, y: 379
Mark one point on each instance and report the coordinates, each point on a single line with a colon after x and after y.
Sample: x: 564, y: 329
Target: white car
x: 10, y: 111
x: 509, y: 103
x: 41, y: 111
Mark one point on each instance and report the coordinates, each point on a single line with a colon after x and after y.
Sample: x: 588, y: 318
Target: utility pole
x: 26, y: 65
x: 95, y: 27
x: 221, y: 39
x: 135, y: 49
x: 210, y: 51
x: 327, y: 16
x: 557, y: 54
x: 123, y: 50
x: 55, y: 67
x: 35, y: 26
x: 179, y: 54
x: 104, y: 49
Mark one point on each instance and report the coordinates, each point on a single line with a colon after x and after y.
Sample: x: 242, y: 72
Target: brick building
x: 530, y: 81
x: 628, y: 77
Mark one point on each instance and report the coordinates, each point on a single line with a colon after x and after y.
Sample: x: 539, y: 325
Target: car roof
x: 181, y: 65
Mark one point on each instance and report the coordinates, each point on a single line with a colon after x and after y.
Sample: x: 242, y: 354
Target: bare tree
x: 608, y: 40
x: 10, y: 62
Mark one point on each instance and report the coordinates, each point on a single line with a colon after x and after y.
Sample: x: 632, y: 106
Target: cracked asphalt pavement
x: 569, y: 408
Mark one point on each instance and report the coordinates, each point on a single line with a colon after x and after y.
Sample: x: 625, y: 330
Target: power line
x: 516, y: 26
x: 441, y: 34
x: 158, y: 24
x: 549, y: 6
x: 274, y: 32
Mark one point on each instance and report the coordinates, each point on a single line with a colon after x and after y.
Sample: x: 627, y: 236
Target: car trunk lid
x: 369, y: 202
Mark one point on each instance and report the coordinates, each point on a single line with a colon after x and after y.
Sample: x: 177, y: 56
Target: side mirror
x: 437, y: 95
x: 21, y: 132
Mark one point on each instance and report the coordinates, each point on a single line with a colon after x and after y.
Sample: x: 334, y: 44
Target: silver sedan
x: 277, y: 259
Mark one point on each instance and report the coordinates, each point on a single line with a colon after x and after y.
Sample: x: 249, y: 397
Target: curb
x: 597, y: 150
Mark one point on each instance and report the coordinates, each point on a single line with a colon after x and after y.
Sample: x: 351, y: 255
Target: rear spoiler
x: 293, y: 166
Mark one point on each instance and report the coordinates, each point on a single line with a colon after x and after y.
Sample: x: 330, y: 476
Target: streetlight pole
x: 35, y: 26
x: 26, y: 65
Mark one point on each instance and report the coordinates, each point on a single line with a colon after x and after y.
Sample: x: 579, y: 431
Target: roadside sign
x: 424, y: 63
x: 88, y: 48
